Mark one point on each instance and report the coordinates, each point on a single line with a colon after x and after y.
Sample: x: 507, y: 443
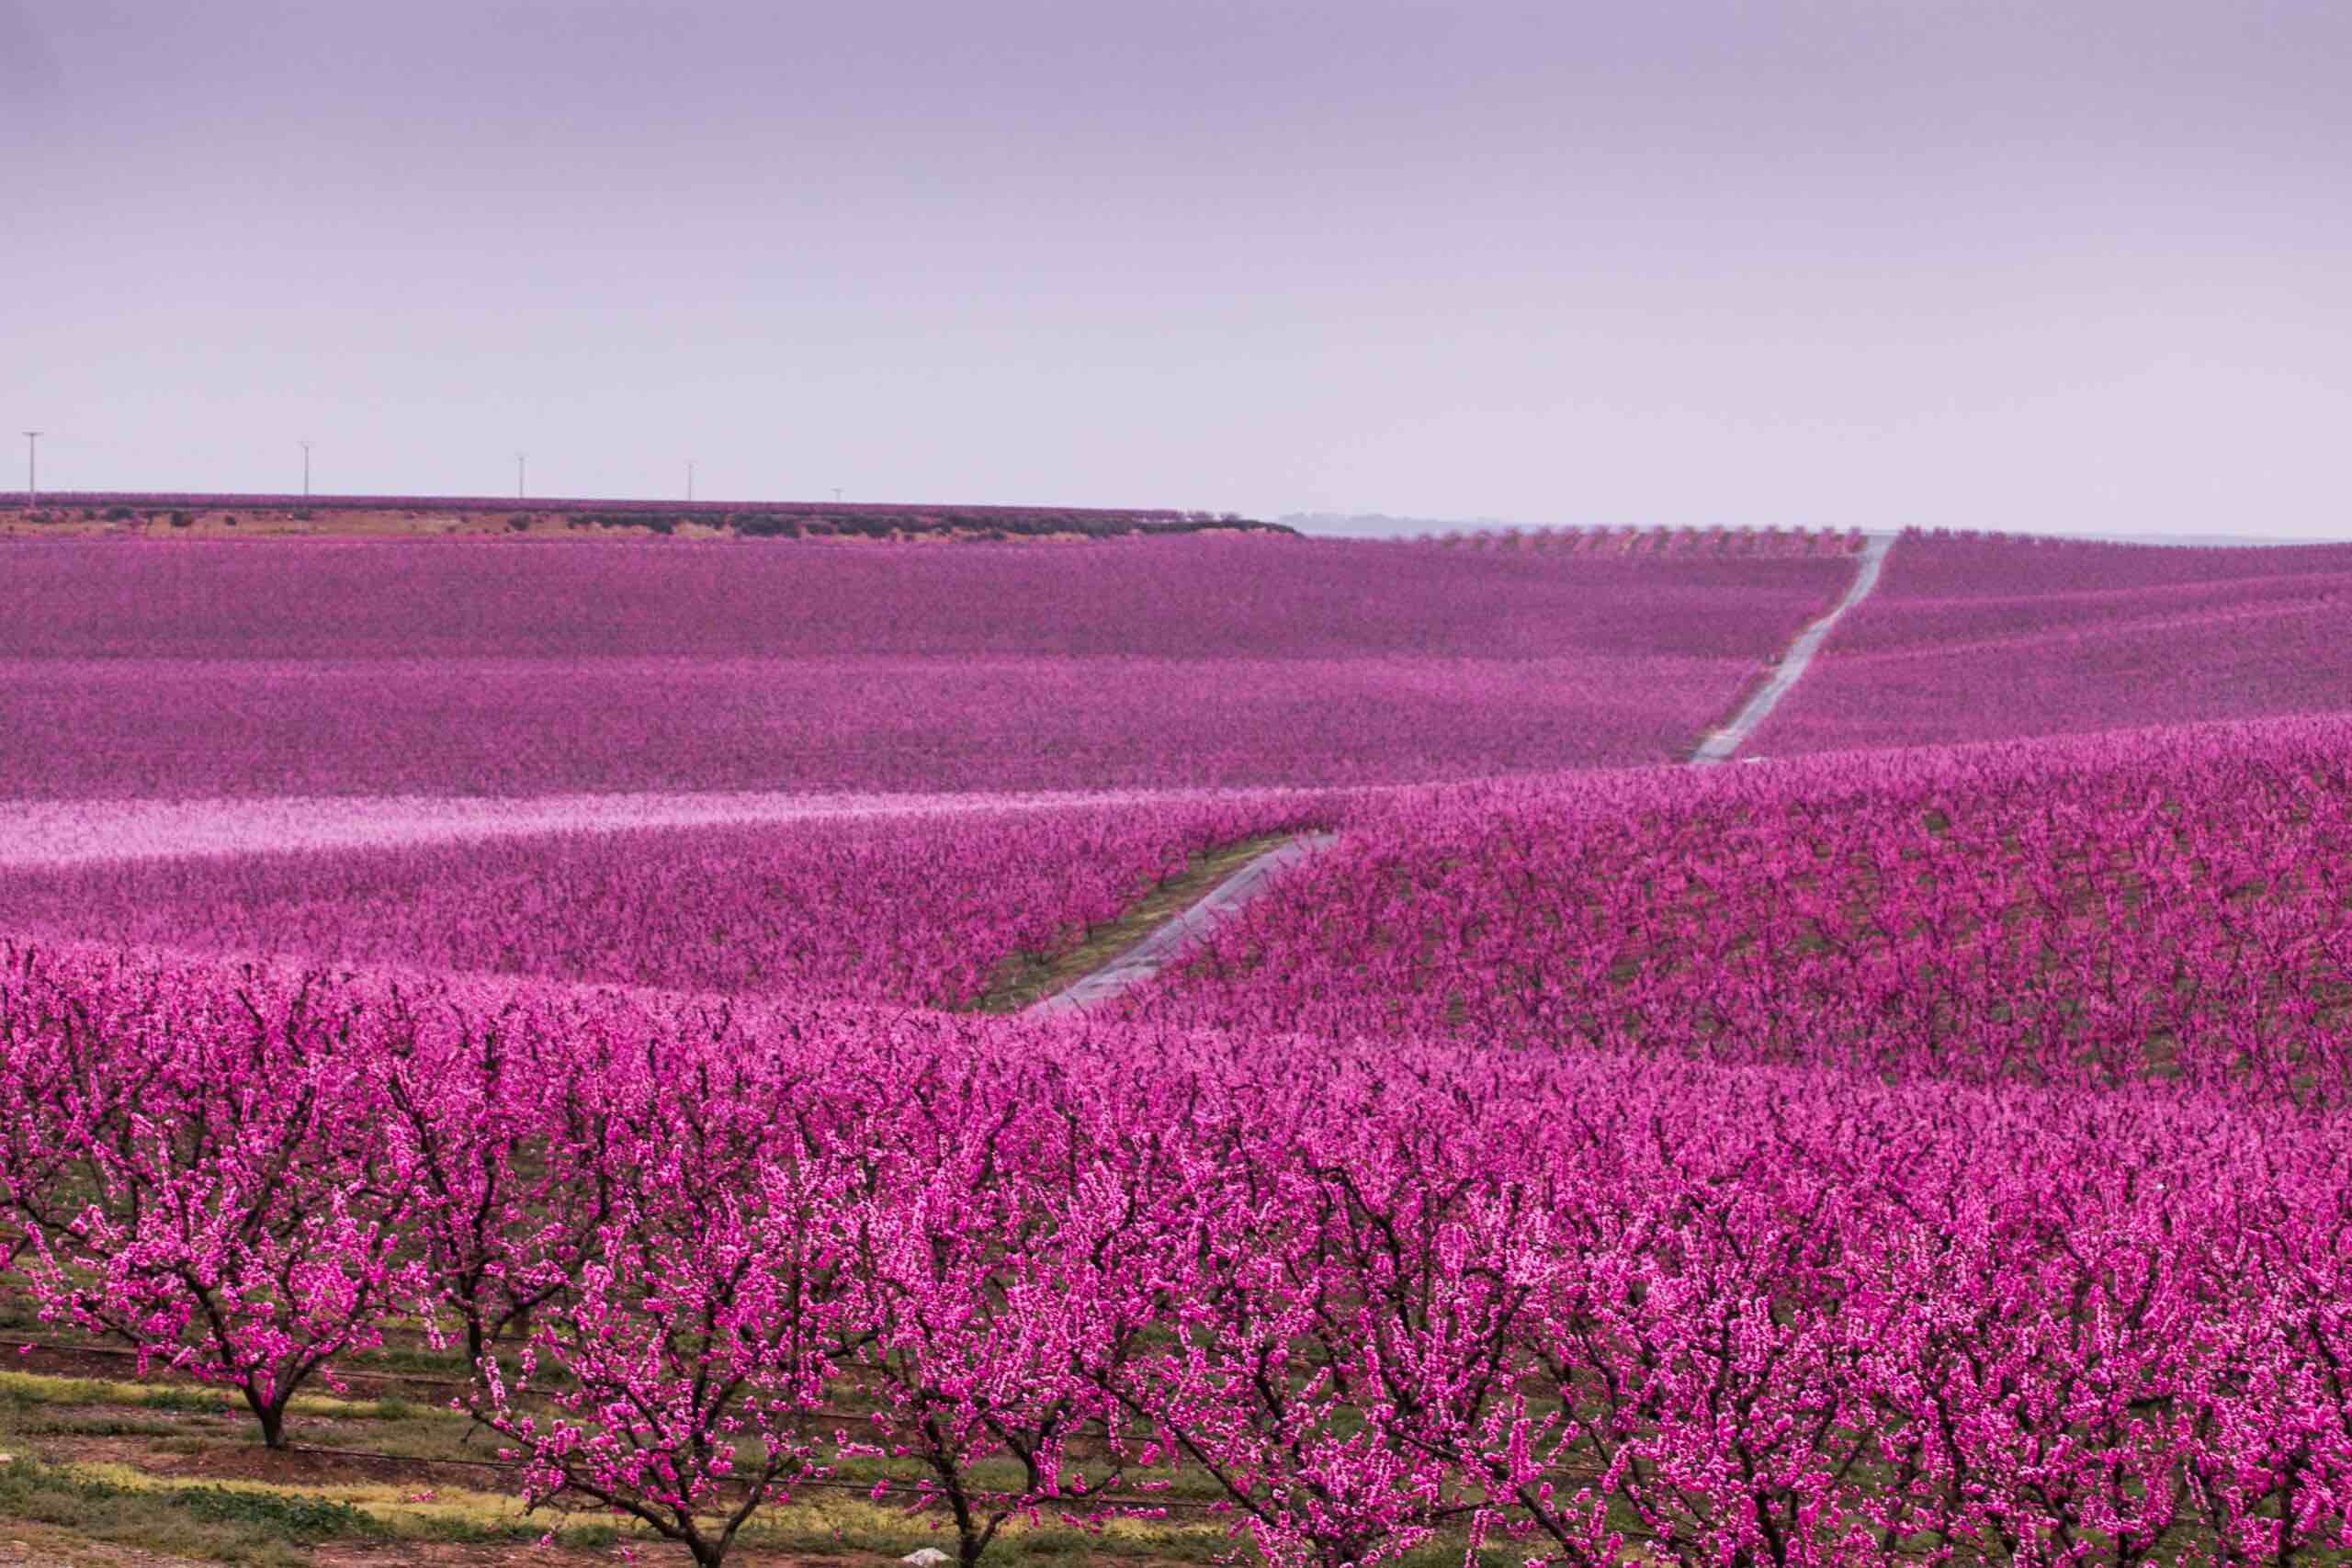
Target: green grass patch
x: 26, y: 1390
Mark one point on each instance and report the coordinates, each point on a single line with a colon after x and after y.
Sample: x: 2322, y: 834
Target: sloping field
x: 1355, y: 1298
x: 1982, y: 639
x: 922, y: 908
x: 190, y: 670
x: 444, y: 1085
x: 2173, y: 903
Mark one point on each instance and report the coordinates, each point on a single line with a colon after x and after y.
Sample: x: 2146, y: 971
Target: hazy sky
x: 2054, y: 265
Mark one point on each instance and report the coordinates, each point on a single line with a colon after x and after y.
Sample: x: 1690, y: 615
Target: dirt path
x: 1720, y: 744
x: 1180, y: 935
x: 1177, y: 937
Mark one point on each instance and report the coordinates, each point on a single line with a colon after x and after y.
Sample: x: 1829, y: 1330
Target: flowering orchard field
x: 1192, y: 598
x: 2174, y: 905
x: 922, y: 909
x: 1887, y: 1156
x: 1981, y: 639
x: 316, y: 668
x: 1581, y: 1306
x: 124, y: 728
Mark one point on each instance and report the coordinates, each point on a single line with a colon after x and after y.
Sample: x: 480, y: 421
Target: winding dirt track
x: 1179, y: 936
x: 35, y: 833
x: 1187, y: 931
x: 1719, y: 746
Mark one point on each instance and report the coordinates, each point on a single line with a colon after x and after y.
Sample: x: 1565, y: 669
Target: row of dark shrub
x: 776, y: 520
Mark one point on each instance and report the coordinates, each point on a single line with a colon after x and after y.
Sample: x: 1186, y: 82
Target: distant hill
x: 72, y: 513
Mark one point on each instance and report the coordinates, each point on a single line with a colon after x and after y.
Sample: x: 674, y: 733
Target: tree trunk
x: 271, y: 1414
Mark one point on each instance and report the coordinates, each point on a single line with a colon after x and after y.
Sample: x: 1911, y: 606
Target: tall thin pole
x: 690, y: 481
x: 306, y: 469
x: 837, y: 495
x: 32, y: 469
x: 518, y: 475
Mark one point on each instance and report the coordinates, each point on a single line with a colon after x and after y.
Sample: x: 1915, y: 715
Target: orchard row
x: 156, y: 668
x: 1590, y: 1308
x: 926, y: 909
x: 1971, y: 638
x: 2172, y: 904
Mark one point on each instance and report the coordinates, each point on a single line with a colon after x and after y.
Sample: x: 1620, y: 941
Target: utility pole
x: 690, y: 481
x: 32, y: 469
x: 837, y: 495
x: 519, y: 471
x: 306, y: 469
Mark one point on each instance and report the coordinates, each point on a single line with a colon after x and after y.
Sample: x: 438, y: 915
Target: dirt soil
x: 108, y: 1364
x: 27, y: 1545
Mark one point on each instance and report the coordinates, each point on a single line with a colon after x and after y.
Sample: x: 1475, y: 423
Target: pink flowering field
x: 1345, y: 1299
x: 920, y: 907
x: 545, y: 976
x: 1980, y: 638
x: 194, y: 670
x: 2171, y: 904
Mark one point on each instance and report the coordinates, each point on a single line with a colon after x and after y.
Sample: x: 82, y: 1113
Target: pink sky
x: 2062, y: 265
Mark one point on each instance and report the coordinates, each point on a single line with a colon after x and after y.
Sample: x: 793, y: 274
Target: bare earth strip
x: 1719, y: 746
x: 1187, y: 931
x: 1029, y: 977
x: 59, y: 832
